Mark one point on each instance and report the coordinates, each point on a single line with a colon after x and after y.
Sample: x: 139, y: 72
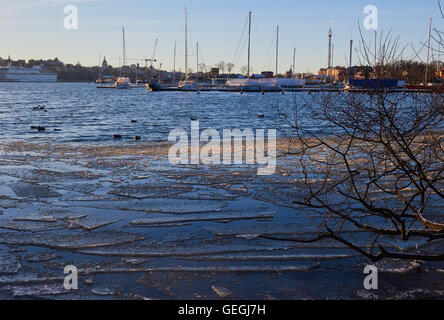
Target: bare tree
x: 372, y: 164
x: 230, y: 67
x: 221, y: 66
x: 244, y: 70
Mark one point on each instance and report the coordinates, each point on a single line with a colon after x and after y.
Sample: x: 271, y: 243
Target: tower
x: 330, y: 34
x: 351, y: 53
x: 104, y: 63
x: 186, y: 44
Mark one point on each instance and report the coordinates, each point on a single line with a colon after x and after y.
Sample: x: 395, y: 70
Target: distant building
x: 267, y: 74
x: 214, y: 73
x: 20, y: 63
x: 341, y: 73
x: 322, y: 72
x: 289, y: 74
x: 338, y: 73
x: 441, y: 73
x: 104, y: 63
x: 360, y: 72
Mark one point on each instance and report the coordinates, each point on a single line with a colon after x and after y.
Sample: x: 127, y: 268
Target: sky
x: 35, y: 29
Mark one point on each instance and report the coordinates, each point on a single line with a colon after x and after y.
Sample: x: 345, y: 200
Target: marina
x: 266, y: 82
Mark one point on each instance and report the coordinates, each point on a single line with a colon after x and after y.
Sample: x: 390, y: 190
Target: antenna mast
x: 124, y: 48
x: 197, y: 61
x: 124, y: 52
x: 351, y: 53
x: 428, y: 53
x: 376, y: 46
x: 249, y: 43
x: 277, y: 50
x: 174, y: 63
x: 330, y: 34
x: 186, y: 44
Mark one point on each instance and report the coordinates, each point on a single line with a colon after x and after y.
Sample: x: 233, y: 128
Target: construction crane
x: 153, y: 58
x: 149, y: 60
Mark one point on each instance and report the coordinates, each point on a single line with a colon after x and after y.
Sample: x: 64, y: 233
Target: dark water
x: 84, y: 113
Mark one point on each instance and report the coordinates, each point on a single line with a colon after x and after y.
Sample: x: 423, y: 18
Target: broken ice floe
x: 29, y: 278
x: 286, y: 257
x: 37, y: 290
x: 150, y: 191
x: 222, y: 292
x: 397, y: 266
x: 170, y: 250
x: 222, y: 216
x: 36, y: 218
x: 94, y: 223
x: 211, y: 269
x: 9, y: 263
x: 32, y: 190
x: 105, y: 291
x: 172, y: 206
x: 71, y: 240
x: 40, y: 257
x: 31, y: 226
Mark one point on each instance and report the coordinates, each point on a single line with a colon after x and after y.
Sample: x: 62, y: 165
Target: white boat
x: 265, y: 84
x: 123, y: 83
x: 191, y: 85
x: 20, y: 74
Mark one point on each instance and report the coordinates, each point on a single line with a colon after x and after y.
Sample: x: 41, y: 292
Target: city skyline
x: 36, y: 30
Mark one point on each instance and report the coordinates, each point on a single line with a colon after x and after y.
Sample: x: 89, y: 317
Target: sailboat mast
x: 186, y: 44
x: 376, y: 47
x: 197, y: 61
x: 351, y: 53
x: 124, y: 51
x: 277, y: 50
x: 428, y: 53
x: 330, y: 34
x: 174, y: 63
x: 249, y: 43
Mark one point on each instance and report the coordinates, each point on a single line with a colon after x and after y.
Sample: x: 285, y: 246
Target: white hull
x: 123, y: 83
x: 13, y: 74
x: 266, y: 83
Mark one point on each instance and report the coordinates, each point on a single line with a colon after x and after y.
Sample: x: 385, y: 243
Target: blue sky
x: 34, y: 29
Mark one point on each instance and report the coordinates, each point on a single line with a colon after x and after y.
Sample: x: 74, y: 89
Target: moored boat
x: 123, y: 83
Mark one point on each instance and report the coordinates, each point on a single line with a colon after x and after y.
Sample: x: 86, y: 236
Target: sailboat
x: 194, y: 85
x: 123, y: 82
x: 261, y: 84
x: 189, y: 84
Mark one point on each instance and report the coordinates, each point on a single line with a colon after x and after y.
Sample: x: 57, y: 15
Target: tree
x: 221, y: 66
x: 203, y: 67
x: 230, y: 67
x: 244, y: 70
x: 372, y: 164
